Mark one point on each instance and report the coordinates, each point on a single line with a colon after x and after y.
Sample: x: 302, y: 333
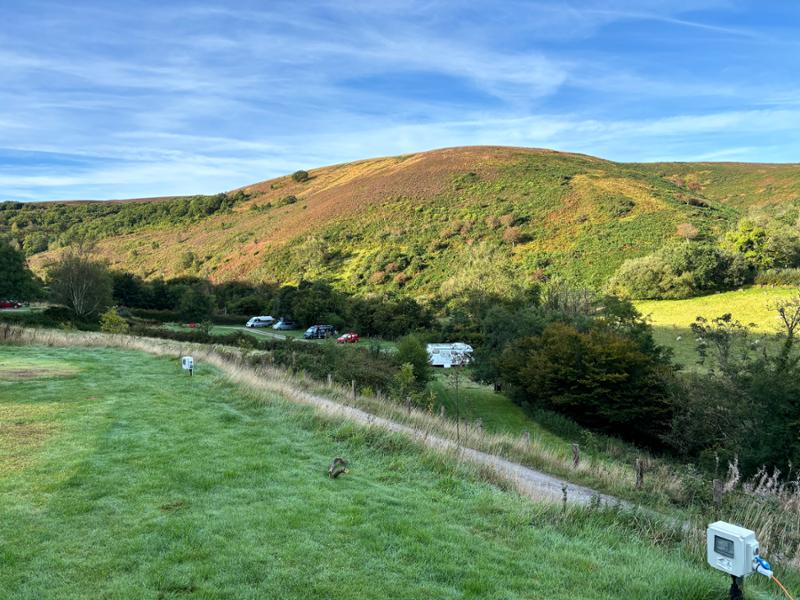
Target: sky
x: 103, y: 100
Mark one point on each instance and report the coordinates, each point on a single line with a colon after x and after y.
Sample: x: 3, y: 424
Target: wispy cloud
x: 160, y: 99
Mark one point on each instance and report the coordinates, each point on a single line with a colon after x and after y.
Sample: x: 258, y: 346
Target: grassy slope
x: 741, y: 185
x: 440, y: 220
x: 124, y: 487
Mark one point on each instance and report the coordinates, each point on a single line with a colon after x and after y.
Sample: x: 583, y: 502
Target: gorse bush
x: 112, y: 322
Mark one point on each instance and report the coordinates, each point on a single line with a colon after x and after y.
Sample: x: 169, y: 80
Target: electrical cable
x: 780, y: 585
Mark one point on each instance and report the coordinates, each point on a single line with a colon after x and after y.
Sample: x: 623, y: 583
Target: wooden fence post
x: 576, y: 456
x: 330, y: 380
x: 526, y: 437
x: 353, y: 388
x: 718, y: 492
x: 638, y: 466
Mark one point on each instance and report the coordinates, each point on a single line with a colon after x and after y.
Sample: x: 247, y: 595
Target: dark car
x: 9, y: 304
x: 318, y: 332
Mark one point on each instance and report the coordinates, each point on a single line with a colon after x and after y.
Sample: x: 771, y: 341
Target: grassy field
x: 128, y: 479
x: 749, y: 305
x: 671, y: 318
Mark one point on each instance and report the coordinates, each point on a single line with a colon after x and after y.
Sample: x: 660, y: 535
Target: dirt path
x: 529, y: 482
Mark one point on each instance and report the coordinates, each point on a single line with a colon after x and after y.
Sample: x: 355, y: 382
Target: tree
x: 17, y: 282
x: 602, y: 378
x: 411, y: 350
x: 747, y: 405
x: 195, y: 304
x: 83, y: 285
x: 129, y: 289
x: 765, y: 246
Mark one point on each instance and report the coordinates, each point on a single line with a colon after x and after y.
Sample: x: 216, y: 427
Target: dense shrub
x: 38, y: 226
x: 301, y: 176
x: 679, y: 270
x: 778, y: 277
x: 603, y: 378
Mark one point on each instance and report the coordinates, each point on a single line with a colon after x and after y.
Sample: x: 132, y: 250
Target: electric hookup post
x: 734, y: 550
x: 187, y: 363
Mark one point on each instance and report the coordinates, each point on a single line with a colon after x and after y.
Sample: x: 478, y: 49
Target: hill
x: 199, y: 489
x: 431, y: 223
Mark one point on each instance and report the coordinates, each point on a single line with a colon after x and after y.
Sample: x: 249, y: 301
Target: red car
x: 348, y: 338
x: 9, y: 304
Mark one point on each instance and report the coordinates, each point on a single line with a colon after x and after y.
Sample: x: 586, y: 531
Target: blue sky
x: 115, y: 100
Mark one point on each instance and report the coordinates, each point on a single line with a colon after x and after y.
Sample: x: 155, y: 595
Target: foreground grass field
x: 129, y: 479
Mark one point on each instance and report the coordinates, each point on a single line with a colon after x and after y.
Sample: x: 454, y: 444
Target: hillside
x: 431, y: 223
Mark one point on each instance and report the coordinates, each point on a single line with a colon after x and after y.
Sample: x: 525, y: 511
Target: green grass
x: 749, y: 305
x: 132, y: 480
x: 671, y: 318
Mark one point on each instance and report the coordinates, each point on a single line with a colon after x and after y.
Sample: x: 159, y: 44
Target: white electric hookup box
x: 187, y: 362
x: 731, y: 549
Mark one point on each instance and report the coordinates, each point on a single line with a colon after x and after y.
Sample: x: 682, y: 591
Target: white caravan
x: 264, y: 321
x: 449, y: 355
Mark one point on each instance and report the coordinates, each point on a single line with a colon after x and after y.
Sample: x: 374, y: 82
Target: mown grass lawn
x: 132, y: 480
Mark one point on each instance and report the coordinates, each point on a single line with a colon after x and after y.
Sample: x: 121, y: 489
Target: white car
x: 260, y: 322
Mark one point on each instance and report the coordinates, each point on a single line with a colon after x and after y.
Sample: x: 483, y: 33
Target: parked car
x: 285, y: 324
x: 351, y: 337
x: 264, y: 321
x: 318, y: 332
x: 9, y: 304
